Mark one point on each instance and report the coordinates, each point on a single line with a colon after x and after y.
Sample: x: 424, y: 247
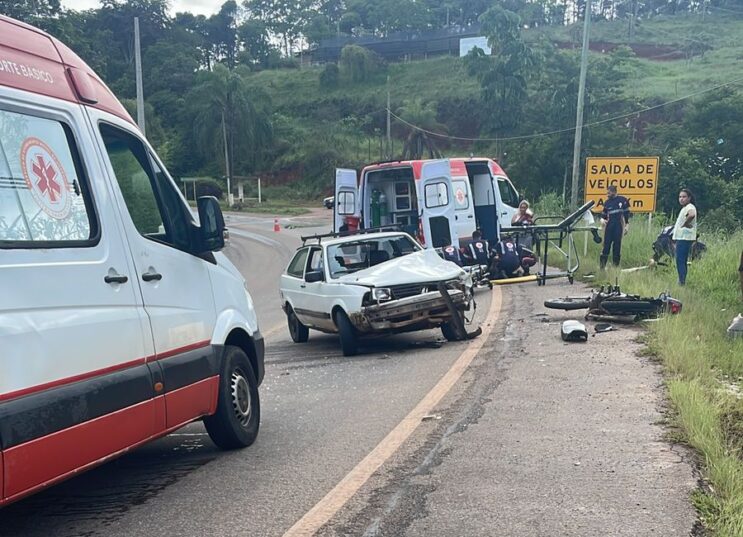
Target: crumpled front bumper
x: 427, y: 310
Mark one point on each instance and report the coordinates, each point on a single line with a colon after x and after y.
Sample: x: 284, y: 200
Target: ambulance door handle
x: 115, y: 278
x: 152, y: 276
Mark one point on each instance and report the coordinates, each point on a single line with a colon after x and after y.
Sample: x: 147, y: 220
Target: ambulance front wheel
x: 237, y: 419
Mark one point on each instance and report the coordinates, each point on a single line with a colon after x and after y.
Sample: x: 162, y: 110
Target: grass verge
x: 704, y: 368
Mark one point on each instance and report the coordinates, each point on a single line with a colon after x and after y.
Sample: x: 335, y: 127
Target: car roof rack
x: 336, y: 234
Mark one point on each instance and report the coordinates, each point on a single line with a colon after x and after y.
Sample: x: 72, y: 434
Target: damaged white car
x: 371, y: 284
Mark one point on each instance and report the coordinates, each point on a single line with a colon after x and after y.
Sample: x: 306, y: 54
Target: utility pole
x: 389, y: 136
x: 579, y: 112
x: 227, y: 163
x: 138, y: 68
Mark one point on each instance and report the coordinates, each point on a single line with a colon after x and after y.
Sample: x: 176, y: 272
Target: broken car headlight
x: 381, y: 294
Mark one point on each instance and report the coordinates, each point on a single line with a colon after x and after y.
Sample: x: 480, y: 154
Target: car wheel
x: 449, y: 329
x: 349, y: 339
x: 299, y: 332
x: 237, y: 419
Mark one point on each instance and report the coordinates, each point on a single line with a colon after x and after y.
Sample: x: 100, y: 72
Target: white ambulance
x: 118, y: 321
x: 441, y: 202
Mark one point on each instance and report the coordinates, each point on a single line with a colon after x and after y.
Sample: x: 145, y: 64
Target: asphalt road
x: 321, y: 414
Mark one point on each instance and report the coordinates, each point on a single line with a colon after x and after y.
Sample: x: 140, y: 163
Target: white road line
x: 334, y: 500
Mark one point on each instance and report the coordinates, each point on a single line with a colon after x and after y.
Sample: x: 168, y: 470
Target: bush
x: 359, y: 64
x: 329, y: 76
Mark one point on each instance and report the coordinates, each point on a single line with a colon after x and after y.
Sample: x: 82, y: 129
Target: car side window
x: 155, y: 210
x: 44, y: 196
x: 296, y: 266
x: 315, y: 261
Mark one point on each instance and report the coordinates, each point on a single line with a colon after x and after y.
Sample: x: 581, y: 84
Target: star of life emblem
x: 45, y: 178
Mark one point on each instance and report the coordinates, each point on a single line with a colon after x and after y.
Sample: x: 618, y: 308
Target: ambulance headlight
x: 381, y: 294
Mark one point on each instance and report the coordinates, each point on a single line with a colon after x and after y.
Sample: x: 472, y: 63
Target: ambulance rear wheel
x: 299, y: 332
x: 237, y: 419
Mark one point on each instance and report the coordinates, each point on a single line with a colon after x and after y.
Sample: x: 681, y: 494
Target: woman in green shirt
x: 685, y: 231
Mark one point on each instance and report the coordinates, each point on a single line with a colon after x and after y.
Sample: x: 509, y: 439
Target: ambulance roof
x: 32, y: 60
x: 458, y: 168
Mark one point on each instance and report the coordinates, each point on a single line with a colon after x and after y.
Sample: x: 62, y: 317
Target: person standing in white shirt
x: 685, y: 232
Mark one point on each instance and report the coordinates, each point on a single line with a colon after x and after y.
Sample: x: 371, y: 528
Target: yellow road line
x: 334, y: 500
x: 273, y: 330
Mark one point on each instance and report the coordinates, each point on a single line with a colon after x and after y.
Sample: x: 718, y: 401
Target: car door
x: 436, y: 203
x: 346, y: 196
x: 174, y: 282
x: 74, y: 384
x: 312, y: 302
x: 293, y: 279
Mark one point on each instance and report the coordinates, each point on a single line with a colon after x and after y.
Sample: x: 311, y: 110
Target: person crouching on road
x: 452, y: 254
x: 510, y: 259
x: 685, y: 232
x: 615, y: 218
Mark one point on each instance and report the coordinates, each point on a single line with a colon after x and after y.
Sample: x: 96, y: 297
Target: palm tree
x: 418, y: 142
x: 230, y: 118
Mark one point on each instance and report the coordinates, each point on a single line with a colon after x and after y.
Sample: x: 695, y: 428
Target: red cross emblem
x: 46, y: 178
x: 46, y: 183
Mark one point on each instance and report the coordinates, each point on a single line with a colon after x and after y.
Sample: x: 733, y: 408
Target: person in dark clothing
x: 478, y: 250
x: 615, y: 218
x: 509, y: 258
x: 452, y: 254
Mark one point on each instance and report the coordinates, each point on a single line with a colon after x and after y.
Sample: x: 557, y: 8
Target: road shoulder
x: 545, y: 438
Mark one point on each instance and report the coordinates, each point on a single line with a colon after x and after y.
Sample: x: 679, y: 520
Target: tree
x: 230, y: 119
x: 418, y: 143
x: 359, y: 63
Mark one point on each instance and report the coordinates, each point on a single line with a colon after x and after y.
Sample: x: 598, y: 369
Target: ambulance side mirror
x: 212, y: 229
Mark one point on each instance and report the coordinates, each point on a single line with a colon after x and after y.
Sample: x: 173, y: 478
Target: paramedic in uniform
x: 479, y: 249
x: 615, y: 218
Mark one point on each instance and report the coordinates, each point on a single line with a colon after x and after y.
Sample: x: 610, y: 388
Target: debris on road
x: 574, y: 331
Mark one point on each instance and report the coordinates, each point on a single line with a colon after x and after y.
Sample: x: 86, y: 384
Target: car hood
x: 418, y: 267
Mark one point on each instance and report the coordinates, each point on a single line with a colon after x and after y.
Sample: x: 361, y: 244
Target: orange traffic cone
x: 276, y: 226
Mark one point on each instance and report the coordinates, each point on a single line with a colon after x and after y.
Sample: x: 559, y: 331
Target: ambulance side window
x: 155, y: 210
x: 507, y: 193
x: 44, y: 197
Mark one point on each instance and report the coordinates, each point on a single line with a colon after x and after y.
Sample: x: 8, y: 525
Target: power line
x: 570, y: 129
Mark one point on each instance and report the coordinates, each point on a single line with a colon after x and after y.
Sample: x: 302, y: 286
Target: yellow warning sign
x: 636, y: 178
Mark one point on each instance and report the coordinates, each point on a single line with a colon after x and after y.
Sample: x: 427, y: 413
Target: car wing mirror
x: 211, y: 232
x: 314, y: 276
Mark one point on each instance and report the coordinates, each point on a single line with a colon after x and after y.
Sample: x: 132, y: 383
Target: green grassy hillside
x: 345, y: 125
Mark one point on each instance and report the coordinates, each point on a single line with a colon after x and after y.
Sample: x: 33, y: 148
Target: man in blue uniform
x: 510, y: 259
x: 478, y: 251
x: 615, y: 218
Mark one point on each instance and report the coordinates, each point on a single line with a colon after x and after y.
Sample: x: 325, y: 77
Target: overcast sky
x: 197, y: 7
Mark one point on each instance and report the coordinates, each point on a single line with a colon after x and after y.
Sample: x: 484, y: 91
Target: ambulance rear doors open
x: 417, y: 196
x: 484, y: 198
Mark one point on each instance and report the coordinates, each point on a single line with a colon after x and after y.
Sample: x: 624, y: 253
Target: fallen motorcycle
x: 611, y: 303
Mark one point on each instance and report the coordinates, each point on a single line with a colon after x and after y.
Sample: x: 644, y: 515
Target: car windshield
x: 356, y: 255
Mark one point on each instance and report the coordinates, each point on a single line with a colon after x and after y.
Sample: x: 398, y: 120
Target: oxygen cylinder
x: 375, y: 208
x: 384, y: 218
